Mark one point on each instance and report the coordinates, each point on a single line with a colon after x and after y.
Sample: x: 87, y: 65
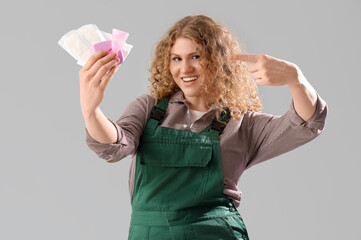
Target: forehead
x: 184, y: 45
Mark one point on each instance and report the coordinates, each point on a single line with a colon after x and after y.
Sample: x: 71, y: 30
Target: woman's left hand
x: 270, y: 71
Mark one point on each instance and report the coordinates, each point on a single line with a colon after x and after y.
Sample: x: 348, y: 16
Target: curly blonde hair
x: 230, y: 85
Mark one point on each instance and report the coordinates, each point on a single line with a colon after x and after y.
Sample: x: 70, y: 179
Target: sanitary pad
x: 88, y: 39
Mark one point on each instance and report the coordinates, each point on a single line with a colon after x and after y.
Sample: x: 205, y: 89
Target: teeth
x: 189, y: 79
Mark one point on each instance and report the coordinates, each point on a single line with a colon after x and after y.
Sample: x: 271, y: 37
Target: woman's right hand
x: 94, y: 77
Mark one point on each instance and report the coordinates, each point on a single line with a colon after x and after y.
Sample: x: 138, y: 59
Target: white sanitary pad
x: 78, y: 43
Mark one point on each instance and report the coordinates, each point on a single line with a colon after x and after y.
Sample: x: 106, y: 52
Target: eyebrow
x: 187, y: 54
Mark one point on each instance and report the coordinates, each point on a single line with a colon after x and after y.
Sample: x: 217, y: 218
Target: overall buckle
x: 157, y: 114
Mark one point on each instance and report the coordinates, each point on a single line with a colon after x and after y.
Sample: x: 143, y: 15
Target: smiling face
x: 186, y: 69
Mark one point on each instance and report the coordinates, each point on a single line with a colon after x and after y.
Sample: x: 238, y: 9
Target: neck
x: 197, y: 104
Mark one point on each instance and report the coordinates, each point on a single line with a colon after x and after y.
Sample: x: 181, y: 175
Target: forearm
x: 99, y: 127
x: 304, y: 97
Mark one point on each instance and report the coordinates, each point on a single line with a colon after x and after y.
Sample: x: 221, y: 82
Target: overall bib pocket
x: 173, y: 171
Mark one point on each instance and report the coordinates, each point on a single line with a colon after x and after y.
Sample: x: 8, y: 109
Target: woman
x: 199, y: 130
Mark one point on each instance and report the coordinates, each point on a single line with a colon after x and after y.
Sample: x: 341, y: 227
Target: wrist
x: 90, y: 113
x: 299, y: 80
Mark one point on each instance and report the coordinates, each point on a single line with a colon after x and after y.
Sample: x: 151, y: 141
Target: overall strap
x: 158, y: 113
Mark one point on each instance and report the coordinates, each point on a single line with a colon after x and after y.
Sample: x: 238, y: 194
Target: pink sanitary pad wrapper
x: 88, y: 39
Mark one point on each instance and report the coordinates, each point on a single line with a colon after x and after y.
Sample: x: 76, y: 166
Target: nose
x: 187, y: 66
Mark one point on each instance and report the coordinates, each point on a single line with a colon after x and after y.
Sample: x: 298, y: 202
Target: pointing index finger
x: 245, y: 57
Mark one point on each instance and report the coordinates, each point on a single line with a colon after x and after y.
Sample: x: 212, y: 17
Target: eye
x: 177, y: 59
x: 196, y: 57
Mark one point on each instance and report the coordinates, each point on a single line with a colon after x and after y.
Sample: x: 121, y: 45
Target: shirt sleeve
x: 269, y: 136
x: 129, y: 128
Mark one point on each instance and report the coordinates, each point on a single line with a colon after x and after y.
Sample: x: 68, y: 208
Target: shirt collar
x: 177, y: 97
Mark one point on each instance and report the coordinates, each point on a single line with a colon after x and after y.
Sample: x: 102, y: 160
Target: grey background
x: 53, y: 187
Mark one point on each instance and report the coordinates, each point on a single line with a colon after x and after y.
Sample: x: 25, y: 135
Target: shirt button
x: 185, y: 126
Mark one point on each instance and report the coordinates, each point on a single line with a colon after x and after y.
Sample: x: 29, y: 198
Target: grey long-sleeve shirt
x: 255, y: 138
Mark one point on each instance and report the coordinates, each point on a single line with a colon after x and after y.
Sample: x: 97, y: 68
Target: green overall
x: 178, y: 186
